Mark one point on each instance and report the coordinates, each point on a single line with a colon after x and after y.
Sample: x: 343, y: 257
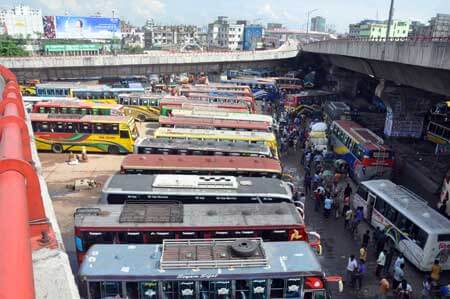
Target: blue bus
x: 205, y: 269
x: 261, y: 89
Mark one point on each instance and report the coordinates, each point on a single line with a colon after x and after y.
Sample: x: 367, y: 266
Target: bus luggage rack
x: 154, y: 212
x: 65, y: 116
x: 213, y: 253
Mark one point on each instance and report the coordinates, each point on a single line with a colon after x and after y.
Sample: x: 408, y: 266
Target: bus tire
x: 244, y: 247
x: 113, y: 150
x: 57, y: 148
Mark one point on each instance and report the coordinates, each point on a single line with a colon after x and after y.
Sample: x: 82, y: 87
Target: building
x: 276, y: 37
x: 371, y: 29
x: 439, y: 26
x: 22, y: 22
x: 272, y: 26
x: 318, y: 24
x: 218, y: 33
x: 236, y: 35
x: 416, y: 28
x: 174, y: 36
x: 253, y: 35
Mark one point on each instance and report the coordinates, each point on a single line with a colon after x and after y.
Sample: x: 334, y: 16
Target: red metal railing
x: 23, y: 223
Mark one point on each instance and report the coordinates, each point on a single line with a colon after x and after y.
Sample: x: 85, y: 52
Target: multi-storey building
x: 318, y: 24
x: 22, y: 21
x: 377, y: 29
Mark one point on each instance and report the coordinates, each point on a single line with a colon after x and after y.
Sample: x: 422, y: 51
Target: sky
x: 292, y: 13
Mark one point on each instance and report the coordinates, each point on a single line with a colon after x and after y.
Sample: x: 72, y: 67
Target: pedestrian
x: 359, y: 273
x: 352, y: 265
x: 443, y: 208
x: 383, y: 288
x: 399, y: 260
x: 346, y: 206
x: 363, y: 253
x: 348, y: 217
x: 366, y: 239
x: 318, y: 193
x: 399, y: 275
x: 389, y: 258
x: 381, y: 261
x: 381, y: 242
x: 348, y: 190
x: 357, y: 220
x: 426, y: 288
x: 307, y: 183
x: 436, y: 270
x: 327, y: 205
x: 404, y: 290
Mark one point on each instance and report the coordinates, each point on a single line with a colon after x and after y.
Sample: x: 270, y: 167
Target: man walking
x: 381, y: 261
x: 352, y: 266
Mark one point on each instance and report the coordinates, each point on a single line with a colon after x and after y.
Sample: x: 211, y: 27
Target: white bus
x: 413, y: 227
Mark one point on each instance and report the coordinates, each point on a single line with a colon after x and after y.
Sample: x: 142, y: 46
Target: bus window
x: 275, y: 235
x: 131, y: 238
x: 188, y: 235
x: 169, y: 289
x: 158, y: 237
x: 215, y: 289
x: 379, y: 205
x: 144, y: 102
x: 71, y: 128
x: 91, y: 238
x: 111, y: 288
x: 99, y: 129
x: 135, y: 101
x: 95, y: 111
x: 58, y: 127
x: 187, y: 289
x: 85, y: 128
x: 444, y: 238
x: 148, y: 290
x: 390, y: 213
x: 124, y: 134
x: 293, y: 288
x: 277, y: 288
x: 112, y: 129
x: 259, y: 288
x: 243, y: 289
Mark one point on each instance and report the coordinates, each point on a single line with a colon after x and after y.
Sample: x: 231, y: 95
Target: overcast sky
x: 292, y: 13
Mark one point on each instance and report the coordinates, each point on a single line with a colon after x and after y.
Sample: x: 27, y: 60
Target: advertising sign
x: 70, y: 27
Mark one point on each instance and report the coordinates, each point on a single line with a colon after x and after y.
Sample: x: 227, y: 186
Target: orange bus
x: 201, y: 165
x: 213, y: 123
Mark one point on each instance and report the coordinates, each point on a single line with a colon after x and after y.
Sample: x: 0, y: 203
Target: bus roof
x: 219, y: 163
x: 221, y: 115
x: 171, y: 184
x: 312, y: 92
x: 64, y: 85
x: 167, y: 100
x: 180, y: 121
x: 194, y: 216
x: 410, y: 205
x: 205, y: 145
x: 362, y: 135
x: 182, y: 132
x: 199, y: 95
x: 116, y: 262
x: 78, y: 118
x: 77, y: 104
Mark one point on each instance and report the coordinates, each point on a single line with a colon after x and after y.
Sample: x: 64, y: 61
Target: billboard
x: 70, y: 27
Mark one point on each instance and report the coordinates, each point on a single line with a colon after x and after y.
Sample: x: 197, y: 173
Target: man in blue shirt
x: 327, y: 205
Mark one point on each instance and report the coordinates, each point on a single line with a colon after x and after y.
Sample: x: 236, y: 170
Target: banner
x: 70, y: 27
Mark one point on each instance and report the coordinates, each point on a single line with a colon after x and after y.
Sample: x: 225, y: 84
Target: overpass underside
x: 49, y: 74
x: 429, y: 79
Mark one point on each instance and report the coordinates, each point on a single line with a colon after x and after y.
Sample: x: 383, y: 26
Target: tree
x: 11, y: 47
x: 133, y: 50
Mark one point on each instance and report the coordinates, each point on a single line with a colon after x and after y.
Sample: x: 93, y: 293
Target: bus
x: 222, y: 115
x: 333, y: 110
x: 143, y: 107
x: 438, y: 133
x: 147, y: 145
x: 218, y: 87
x: 73, y: 132
x: 205, y: 269
x: 309, y: 100
x: 226, y: 102
x: 195, y: 189
x: 223, y: 99
x: 251, y: 137
x: 201, y: 165
x: 365, y: 152
x: 150, y: 223
x: 414, y: 228
x: 77, y: 107
x: 256, y: 85
x: 212, y: 123
x: 167, y: 108
x: 224, y: 90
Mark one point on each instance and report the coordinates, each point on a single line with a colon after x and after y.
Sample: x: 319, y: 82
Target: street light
x: 307, y: 20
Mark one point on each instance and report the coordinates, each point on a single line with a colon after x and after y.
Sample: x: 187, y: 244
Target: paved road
x: 338, y: 245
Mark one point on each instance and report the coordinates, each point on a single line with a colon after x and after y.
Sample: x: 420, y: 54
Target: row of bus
x: 200, y: 210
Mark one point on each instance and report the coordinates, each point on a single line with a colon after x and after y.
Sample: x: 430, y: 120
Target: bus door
x: 370, y: 204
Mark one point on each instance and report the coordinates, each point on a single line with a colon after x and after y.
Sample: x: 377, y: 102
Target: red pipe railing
x: 23, y: 223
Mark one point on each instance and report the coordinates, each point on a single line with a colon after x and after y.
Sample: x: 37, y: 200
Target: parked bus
x: 251, y: 137
x: 143, y: 107
x: 336, y: 111
x: 97, y: 133
x: 151, y: 223
x: 222, y: 115
x: 438, y: 133
x: 223, y: 99
x: 363, y: 150
x: 226, y: 102
x: 77, y: 107
x: 201, y: 165
x: 211, y: 123
x: 147, y: 145
x: 224, y: 90
x: 309, y: 100
x: 195, y: 189
x: 413, y: 227
x: 257, y: 86
x: 205, y: 269
x: 166, y: 110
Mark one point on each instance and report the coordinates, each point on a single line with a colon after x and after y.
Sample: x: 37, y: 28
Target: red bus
x: 226, y: 102
x: 201, y: 165
x: 213, y: 123
x: 77, y: 107
x: 145, y: 223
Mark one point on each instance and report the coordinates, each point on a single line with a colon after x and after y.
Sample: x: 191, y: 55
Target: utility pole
x: 391, y: 13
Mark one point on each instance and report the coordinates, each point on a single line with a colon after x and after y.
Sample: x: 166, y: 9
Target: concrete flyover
x: 56, y: 67
x: 419, y: 63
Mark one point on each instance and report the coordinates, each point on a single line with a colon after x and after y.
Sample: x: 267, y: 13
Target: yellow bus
x: 71, y: 132
x: 143, y: 107
x: 77, y: 107
x: 219, y: 135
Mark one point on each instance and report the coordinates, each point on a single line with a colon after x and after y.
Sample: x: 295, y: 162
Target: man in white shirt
x: 352, y: 265
x: 381, y: 261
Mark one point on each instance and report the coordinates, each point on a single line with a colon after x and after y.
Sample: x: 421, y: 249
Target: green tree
x: 11, y: 47
x: 133, y: 50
